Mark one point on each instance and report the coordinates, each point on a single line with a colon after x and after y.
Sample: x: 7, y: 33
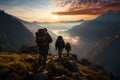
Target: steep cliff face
x: 13, y: 33
x: 107, y: 54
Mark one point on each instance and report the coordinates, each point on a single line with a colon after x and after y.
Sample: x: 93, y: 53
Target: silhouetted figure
x: 43, y: 39
x: 49, y: 39
x: 60, y: 45
x: 68, y: 48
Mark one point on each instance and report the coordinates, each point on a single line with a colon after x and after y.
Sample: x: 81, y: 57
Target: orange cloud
x: 92, y: 11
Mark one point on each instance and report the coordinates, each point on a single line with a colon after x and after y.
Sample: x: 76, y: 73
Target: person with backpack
x: 60, y: 45
x: 68, y: 48
x: 43, y: 39
x: 49, y: 38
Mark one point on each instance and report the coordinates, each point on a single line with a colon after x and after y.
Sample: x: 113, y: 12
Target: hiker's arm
x: 50, y: 38
x: 70, y: 48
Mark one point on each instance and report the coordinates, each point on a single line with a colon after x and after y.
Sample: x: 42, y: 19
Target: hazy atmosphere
x: 59, y: 39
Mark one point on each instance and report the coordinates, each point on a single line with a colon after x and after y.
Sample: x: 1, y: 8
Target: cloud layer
x: 89, y: 7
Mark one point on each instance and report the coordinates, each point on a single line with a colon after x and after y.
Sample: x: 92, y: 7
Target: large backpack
x: 41, y: 38
x: 60, y: 43
x: 67, y: 46
x: 48, y: 37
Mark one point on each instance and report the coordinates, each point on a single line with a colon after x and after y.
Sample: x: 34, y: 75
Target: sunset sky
x: 57, y: 10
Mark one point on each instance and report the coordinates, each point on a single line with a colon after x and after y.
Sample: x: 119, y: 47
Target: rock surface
x: 26, y: 67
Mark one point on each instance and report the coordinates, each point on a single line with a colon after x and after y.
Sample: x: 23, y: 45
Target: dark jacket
x: 48, y: 39
x: 60, y: 44
x: 68, y: 47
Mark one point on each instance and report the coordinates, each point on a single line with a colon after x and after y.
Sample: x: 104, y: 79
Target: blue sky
x: 30, y: 10
x: 28, y: 3
x: 35, y: 10
x: 42, y: 10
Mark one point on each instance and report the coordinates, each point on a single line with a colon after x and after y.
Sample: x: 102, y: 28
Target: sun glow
x: 54, y: 17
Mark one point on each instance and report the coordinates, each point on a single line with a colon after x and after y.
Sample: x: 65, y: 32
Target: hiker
x: 60, y: 45
x: 43, y: 39
x: 49, y: 39
x: 68, y: 48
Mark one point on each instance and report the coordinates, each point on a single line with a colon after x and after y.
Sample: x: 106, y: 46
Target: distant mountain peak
x: 109, y: 16
x: 110, y: 11
x: 2, y: 12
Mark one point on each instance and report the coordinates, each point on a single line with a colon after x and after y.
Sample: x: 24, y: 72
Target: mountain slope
x: 99, y: 40
x: 13, y: 33
x: 92, y: 31
x: 109, y: 56
x: 104, y: 25
x: 26, y: 67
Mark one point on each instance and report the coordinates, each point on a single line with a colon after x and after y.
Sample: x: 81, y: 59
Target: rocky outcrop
x: 26, y: 67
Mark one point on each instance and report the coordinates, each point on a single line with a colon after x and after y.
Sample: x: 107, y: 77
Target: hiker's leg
x: 60, y: 53
x: 40, y: 56
x: 45, y: 55
x: 40, y: 59
x: 67, y: 52
x: 45, y: 59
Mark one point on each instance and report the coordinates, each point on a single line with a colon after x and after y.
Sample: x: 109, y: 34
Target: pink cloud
x: 92, y: 7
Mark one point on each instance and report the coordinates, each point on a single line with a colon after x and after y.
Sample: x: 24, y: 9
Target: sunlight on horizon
x: 41, y: 15
x: 54, y: 17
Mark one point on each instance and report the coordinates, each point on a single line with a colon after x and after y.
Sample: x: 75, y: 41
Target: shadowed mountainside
x: 94, y: 30
x: 13, y: 33
x: 100, y: 40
